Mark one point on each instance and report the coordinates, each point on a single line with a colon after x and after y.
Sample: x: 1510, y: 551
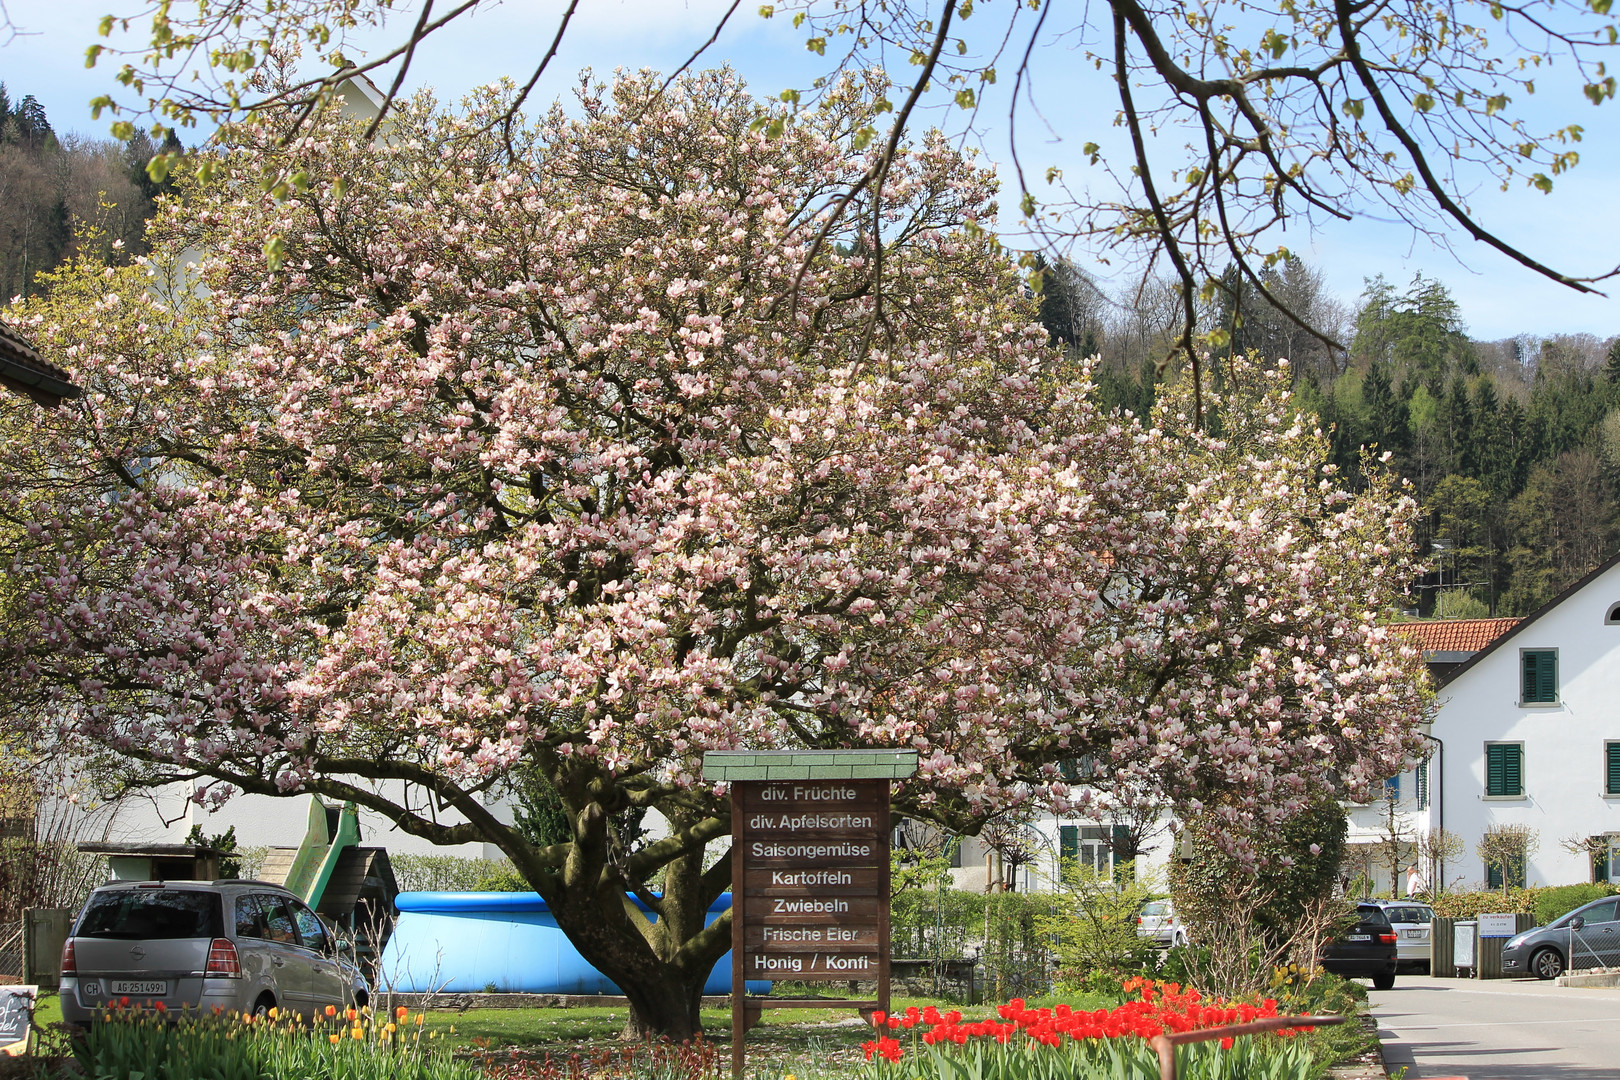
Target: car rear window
x: 1156, y: 907
x: 151, y: 915
x: 1412, y: 914
x: 1370, y: 914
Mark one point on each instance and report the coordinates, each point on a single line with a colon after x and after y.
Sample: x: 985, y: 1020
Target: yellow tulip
x: 356, y: 1034
x: 335, y: 1039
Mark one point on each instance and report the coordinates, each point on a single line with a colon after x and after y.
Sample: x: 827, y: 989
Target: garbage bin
x: 1464, y: 947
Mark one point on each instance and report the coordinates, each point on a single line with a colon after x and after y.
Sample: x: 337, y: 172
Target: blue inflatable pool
x: 468, y: 942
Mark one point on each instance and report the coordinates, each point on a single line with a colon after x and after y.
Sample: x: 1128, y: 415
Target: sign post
x: 809, y: 873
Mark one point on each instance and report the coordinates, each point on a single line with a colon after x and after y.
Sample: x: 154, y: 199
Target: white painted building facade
x: 1529, y: 734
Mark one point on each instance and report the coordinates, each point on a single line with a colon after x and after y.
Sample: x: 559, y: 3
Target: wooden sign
x: 809, y: 873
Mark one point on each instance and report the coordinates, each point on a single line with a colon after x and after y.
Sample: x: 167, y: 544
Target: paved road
x: 1499, y: 1030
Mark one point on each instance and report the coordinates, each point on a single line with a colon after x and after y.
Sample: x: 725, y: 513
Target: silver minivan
x: 236, y: 946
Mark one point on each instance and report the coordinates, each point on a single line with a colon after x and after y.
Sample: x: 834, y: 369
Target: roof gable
x: 1530, y: 619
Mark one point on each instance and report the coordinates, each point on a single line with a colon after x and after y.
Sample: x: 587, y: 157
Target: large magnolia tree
x: 572, y: 457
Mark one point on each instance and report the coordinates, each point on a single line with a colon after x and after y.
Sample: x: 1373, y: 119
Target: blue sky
x: 1576, y: 228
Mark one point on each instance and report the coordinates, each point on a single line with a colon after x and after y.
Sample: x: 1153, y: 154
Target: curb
x: 1368, y: 1065
x: 501, y: 1000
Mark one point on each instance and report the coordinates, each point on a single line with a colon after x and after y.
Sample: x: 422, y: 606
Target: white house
x: 1527, y: 733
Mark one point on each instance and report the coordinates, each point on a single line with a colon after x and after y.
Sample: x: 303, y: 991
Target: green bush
x: 1006, y: 931
x: 1471, y: 905
x: 1560, y: 900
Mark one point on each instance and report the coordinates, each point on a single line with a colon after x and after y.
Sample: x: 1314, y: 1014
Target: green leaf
x: 1423, y: 102
x: 767, y: 10
x: 817, y: 45
x: 1092, y: 151
x: 965, y: 98
x: 105, y: 29
x: 1027, y: 204
x: 91, y: 54
x: 1542, y: 182
x: 275, y: 250
x: 1354, y: 107
x: 863, y: 137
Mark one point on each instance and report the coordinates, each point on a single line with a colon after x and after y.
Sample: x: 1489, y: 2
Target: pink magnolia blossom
x: 547, y: 456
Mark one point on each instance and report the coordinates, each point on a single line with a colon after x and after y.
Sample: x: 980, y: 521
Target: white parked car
x: 1158, y: 921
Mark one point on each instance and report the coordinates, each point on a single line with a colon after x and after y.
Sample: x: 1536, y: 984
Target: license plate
x: 151, y: 988
x: 1414, y: 933
x: 1358, y: 937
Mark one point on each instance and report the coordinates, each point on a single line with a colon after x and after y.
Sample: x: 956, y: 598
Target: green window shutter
x: 1493, y: 877
x: 1504, y: 769
x: 1540, y: 682
x: 1514, y: 771
x: 1068, y: 842
x: 1423, y: 785
x: 1613, y: 770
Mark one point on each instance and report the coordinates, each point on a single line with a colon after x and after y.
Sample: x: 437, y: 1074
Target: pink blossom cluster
x: 579, y: 447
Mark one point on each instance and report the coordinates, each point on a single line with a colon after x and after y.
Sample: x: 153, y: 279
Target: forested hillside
x: 51, y: 187
x: 1513, y: 446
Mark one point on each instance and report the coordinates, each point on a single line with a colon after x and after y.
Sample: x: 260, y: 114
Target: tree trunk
x: 664, y: 1010
x: 660, y: 968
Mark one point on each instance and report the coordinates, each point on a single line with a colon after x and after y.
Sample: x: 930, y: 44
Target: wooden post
x: 739, y: 982
x: 883, y: 891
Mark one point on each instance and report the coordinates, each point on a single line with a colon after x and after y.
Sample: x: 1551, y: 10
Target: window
x: 1515, y: 874
x: 1504, y: 770
x: 140, y: 914
x: 1539, y: 685
x: 310, y: 932
x: 1080, y: 770
x: 1392, y: 789
x: 1421, y: 779
x: 1087, y: 845
x: 1613, y: 618
x: 1611, y: 768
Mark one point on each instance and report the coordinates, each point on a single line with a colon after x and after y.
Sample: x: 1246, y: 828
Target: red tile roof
x: 22, y: 369
x: 1456, y: 635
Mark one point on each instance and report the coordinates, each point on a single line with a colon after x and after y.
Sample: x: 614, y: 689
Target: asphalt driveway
x: 1498, y: 1030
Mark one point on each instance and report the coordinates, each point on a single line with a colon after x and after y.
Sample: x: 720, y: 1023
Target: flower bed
x: 1061, y: 1043
x: 133, y: 1043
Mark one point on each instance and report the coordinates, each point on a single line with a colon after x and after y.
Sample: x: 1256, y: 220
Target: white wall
x: 1563, y: 743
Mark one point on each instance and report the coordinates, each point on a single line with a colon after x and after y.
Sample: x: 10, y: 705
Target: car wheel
x: 262, y: 1007
x: 1179, y: 941
x: 361, y: 999
x: 1546, y: 964
x: 1385, y: 981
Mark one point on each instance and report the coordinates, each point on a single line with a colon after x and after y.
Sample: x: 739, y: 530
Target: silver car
x: 1413, y: 922
x: 236, y: 946
x: 1159, y: 922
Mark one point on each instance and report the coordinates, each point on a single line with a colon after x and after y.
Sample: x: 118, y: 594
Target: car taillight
x: 222, y: 959
x: 1387, y: 939
x: 70, y: 965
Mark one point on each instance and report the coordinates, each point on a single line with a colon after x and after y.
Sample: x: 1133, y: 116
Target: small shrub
x: 1560, y: 900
